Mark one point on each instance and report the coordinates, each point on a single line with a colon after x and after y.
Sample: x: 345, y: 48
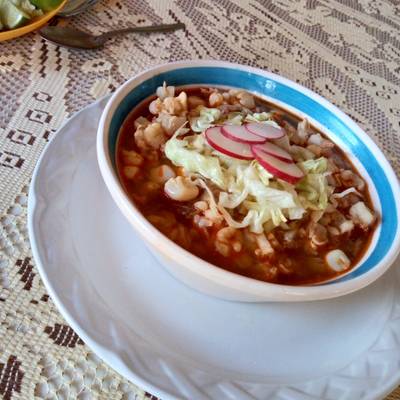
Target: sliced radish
x: 227, y: 146
x: 266, y: 131
x: 239, y: 133
x: 289, y: 172
x: 275, y: 151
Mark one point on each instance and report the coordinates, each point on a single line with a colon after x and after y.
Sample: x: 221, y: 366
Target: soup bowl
x: 359, y: 148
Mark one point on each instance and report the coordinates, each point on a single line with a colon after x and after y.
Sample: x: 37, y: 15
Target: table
x: 346, y: 50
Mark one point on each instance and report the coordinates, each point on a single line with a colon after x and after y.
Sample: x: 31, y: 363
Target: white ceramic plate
x: 175, y: 342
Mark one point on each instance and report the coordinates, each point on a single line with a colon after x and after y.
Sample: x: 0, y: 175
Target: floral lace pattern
x: 347, y: 51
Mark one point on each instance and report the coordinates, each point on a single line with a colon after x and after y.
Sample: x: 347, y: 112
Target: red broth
x: 294, y: 262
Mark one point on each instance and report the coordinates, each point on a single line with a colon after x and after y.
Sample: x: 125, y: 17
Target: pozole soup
x: 245, y: 185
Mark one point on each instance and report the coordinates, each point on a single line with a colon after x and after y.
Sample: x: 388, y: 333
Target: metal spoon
x: 75, y: 38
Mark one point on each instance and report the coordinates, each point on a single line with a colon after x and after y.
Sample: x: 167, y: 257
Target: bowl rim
x: 203, y: 268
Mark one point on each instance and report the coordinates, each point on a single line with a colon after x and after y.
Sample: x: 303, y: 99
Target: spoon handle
x: 143, y: 29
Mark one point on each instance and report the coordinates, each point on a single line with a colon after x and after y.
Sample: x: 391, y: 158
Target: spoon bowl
x: 70, y: 37
x: 75, y: 38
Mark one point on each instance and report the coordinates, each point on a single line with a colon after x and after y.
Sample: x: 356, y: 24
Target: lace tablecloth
x: 346, y: 50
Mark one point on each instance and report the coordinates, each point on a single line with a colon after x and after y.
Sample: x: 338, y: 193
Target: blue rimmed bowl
x: 361, y: 150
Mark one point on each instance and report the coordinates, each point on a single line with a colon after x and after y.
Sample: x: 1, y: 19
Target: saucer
x: 175, y: 342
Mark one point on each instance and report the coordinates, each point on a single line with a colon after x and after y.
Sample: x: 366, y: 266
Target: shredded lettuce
x: 241, y: 182
x: 301, y: 153
x: 206, y: 118
x: 318, y: 166
x: 295, y: 212
x: 178, y: 151
x: 232, y: 200
x: 313, y: 188
x: 346, y: 192
x: 261, y: 117
x: 246, y: 221
x: 228, y: 162
x: 262, y: 201
x: 234, y: 118
x: 263, y: 174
